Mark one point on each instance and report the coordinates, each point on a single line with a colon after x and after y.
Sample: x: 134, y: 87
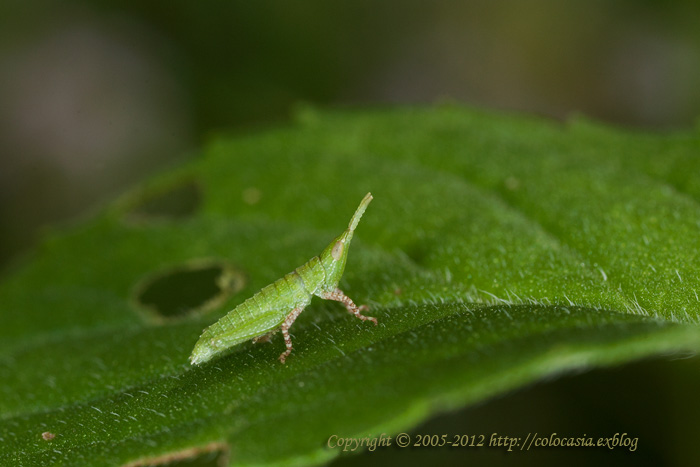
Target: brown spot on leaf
x: 219, y: 449
x: 512, y: 183
x: 251, y: 195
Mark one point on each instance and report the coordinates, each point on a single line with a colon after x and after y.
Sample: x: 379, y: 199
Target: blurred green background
x: 97, y: 95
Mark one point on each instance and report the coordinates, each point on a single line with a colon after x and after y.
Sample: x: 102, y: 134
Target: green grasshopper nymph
x: 277, y: 305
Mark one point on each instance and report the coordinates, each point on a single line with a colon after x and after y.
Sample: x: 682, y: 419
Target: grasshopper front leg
x: 338, y: 296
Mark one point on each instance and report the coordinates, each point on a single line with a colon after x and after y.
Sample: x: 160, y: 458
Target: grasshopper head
x: 335, y: 255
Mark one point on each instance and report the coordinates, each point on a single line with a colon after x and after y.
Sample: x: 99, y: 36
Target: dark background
x: 95, y: 96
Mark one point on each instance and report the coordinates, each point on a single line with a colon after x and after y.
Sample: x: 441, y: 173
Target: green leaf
x: 498, y: 251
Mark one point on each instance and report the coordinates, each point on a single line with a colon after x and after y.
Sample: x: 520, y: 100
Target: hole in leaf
x: 417, y: 252
x: 173, y: 202
x: 194, y: 287
x: 210, y: 455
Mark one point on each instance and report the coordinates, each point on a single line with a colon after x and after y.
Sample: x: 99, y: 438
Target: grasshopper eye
x: 337, y: 251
